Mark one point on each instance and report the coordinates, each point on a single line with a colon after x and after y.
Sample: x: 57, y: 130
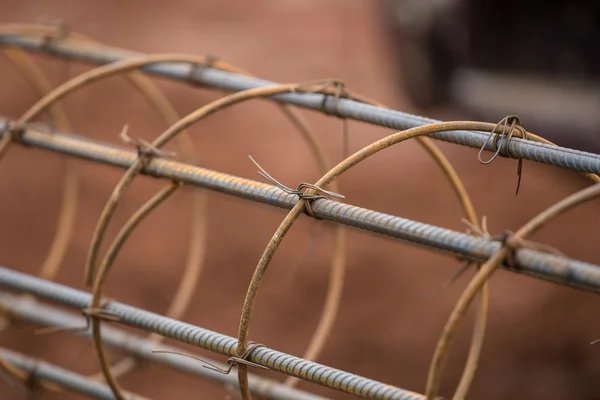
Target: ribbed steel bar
x: 561, y: 270
x: 43, y: 314
x: 206, y: 339
x: 70, y: 381
x: 212, y: 78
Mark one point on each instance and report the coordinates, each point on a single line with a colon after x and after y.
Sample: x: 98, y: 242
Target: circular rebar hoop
x: 444, y: 343
x: 111, y: 254
x: 295, y: 212
x: 455, y: 182
x: 128, y: 178
x: 69, y: 202
x: 186, y: 288
x: 299, y: 208
x: 512, y: 242
x: 327, y: 316
x: 66, y: 216
x: 191, y: 118
x: 184, y: 293
x: 336, y: 281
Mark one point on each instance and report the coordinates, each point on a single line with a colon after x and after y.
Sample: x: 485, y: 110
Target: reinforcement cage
x: 321, y: 201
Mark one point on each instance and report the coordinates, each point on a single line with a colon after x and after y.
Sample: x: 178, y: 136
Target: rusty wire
x: 141, y: 164
x: 315, y: 86
x: 511, y: 242
x: 66, y: 216
x: 148, y: 154
x: 334, y: 293
x: 460, y: 191
x: 38, y: 80
x: 337, y: 268
x: 336, y: 283
x: 331, y: 305
x: 299, y: 208
x: 160, y: 103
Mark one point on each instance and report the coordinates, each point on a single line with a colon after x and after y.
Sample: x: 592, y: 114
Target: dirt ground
x: 538, y: 333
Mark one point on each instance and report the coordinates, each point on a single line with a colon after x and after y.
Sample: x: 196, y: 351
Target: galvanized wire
x: 206, y: 339
x: 42, y: 371
x: 561, y: 270
x: 344, y: 108
x: 141, y: 348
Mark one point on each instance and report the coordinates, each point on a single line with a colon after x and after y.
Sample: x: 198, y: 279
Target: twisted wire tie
x: 14, y: 130
x: 515, y: 124
x: 87, y: 312
x: 232, y: 361
x: 197, y: 70
x: 337, y: 85
x: 506, y: 239
x: 62, y: 32
x: 308, y: 198
x: 512, y: 243
x: 146, y: 151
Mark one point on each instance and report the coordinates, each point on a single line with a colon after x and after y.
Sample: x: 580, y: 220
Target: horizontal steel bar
x: 26, y: 309
x: 206, y: 339
x: 561, y: 270
x: 70, y: 381
x: 100, y: 54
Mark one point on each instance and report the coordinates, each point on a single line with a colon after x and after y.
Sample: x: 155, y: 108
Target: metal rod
x: 43, y: 314
x: 560, y: 270
x: 206, y: 339
x: 212, y: 78
x: 40, y: 370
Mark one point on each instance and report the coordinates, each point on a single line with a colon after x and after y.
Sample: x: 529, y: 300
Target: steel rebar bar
x: 138, y: 346
x: 206, y: 339
x: 561, y: 270
x: 40, y: 370
x: 100, y: 54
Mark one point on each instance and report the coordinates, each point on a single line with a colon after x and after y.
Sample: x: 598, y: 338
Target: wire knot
x: 197, y: 70
x: 61, y: 32
x: 88, y: 313
x: 329, y: 88
x: 513, y: 124
x: 31, y: 380
x: 231, y: 361
x: 306, y: 192
x: 146, y: 151
x: 512, y: 242
x: 14, y: 130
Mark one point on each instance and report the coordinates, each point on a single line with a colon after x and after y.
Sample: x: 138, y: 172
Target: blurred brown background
x: 538, y: 333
